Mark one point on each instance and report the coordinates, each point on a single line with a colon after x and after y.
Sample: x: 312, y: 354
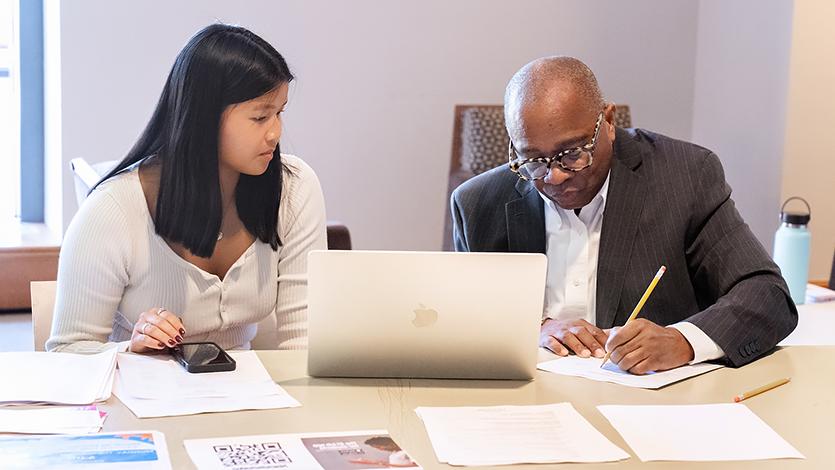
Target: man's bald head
x: 551, y: 82
x: 553, y: 105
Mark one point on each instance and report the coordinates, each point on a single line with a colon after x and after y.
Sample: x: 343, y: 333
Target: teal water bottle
x: 791, y: 249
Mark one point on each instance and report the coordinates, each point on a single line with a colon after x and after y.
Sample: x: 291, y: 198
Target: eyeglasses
x: 573, y: 160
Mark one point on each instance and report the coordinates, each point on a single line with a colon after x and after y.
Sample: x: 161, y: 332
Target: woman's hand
x: 156, y: 329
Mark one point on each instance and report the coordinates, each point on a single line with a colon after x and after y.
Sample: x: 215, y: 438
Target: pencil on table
x: 762, y: 389
x: 640, y: 304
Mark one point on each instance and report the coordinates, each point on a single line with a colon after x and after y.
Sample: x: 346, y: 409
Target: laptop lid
x: 424, y: 314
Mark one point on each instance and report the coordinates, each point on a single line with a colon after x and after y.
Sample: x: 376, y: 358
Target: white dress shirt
x: 572, y: 244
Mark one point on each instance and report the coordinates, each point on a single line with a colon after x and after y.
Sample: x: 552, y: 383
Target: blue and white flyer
x: 135, y: 450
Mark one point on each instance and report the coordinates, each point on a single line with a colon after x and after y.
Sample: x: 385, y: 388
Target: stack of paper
x: 725, y: 431
x: 142, y: 450
x: 357, y: 450
x: 52, y: 420
x: 505, y: 435
x: 62, y: 378
x: 153, y: 386
x: 590, y: 369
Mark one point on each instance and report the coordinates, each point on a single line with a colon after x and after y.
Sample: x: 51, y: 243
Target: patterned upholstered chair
x: 479, y: 143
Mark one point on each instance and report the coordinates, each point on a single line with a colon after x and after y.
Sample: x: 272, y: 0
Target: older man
x: 609, y: 206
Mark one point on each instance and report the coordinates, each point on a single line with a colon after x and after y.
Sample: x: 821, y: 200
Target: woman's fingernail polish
x: 171, y: 342
x: 178, y: 338
x: 182, y: 331
x: 160, y: 344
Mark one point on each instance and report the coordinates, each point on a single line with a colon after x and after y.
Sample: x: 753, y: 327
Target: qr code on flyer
x: 252, y: 456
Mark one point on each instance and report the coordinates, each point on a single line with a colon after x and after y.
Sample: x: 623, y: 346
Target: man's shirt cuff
x: 704, y: 348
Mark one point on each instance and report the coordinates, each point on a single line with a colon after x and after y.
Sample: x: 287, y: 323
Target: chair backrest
x: 43, y: 303
x: 479, y: 143
x: 86, y: 176
x: 339, y: 238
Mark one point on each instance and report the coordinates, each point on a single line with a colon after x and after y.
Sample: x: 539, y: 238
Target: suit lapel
x: 624, y: 204
x: 526, y: 221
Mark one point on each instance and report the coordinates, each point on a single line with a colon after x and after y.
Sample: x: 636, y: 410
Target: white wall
x: 809, y: 166
x: 741, y: 85
x: 377, y: 81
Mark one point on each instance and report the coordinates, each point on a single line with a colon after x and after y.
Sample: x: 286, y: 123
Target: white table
x: 815, y: 326
x: 803, y: 411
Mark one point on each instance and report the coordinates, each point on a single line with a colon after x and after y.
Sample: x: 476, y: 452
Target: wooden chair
x: 43, y: 303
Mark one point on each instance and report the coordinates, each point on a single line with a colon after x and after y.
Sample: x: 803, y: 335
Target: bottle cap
x: 795, y: 218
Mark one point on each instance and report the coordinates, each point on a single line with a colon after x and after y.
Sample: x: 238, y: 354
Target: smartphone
x: 203, y: 357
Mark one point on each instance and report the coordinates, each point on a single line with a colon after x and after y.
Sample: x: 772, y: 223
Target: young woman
x: 203, y: 230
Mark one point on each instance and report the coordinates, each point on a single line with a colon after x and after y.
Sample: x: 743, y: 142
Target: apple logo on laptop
x: 424, y: 316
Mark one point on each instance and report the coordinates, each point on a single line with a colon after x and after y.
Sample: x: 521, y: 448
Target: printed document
x: 129, y: 450
x: 590, y: 369
x: 357, y: 450
x: 504, y: 435
x: 154, y: 386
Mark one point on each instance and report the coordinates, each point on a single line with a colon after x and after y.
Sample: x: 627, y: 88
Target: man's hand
x: 642, y: 346
x: 578, y: 336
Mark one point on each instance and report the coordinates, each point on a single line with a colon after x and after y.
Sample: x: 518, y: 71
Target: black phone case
x: 198, y: 369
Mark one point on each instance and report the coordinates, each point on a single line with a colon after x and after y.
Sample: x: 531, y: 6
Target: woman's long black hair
x: 220, y: 65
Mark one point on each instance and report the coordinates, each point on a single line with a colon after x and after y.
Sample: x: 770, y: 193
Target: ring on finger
x: 144, y: 327
x: 160, y: 310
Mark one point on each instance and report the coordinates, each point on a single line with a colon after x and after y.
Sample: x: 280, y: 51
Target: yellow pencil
x: 640, y: 304
x: 762, y: 389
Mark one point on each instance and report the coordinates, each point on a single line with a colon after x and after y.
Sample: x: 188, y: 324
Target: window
x: 9, y: 112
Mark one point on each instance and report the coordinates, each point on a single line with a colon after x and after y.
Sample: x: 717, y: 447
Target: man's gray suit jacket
x: 668, y: 204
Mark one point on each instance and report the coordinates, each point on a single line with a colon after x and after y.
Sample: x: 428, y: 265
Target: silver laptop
x: 424, y: 314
